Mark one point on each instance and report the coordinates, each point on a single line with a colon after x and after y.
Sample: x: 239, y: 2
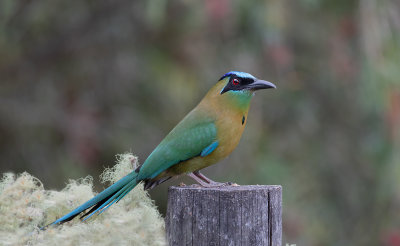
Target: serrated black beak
x: 261, y: 84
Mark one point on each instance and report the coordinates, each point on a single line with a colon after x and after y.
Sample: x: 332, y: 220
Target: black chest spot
x: 243, y: 119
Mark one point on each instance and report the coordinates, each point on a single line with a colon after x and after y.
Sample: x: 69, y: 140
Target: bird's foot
x: 208, y: 183
x: 218, y: 184
x: 214, y: 184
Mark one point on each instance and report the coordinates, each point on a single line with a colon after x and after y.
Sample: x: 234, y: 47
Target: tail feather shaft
x: 128, y: 187
x: 103, y: 200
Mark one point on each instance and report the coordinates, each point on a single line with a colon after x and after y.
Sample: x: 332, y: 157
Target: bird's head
x: 243, y: 82
x: 235, y: 89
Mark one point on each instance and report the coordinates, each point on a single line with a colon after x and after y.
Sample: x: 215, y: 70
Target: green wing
x: 187, y: 140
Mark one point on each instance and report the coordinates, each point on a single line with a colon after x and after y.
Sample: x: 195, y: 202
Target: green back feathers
x: 187, y: 140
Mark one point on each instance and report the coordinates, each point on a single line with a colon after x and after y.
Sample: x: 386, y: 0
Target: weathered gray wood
x: 231, y: 215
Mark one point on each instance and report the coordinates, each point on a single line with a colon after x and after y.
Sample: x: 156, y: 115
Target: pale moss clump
x: 25, y: 206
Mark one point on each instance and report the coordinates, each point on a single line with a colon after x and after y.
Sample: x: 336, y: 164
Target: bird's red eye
x: 235, y: 81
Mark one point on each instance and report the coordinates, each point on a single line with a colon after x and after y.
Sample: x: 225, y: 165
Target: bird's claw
x: 218, y: 184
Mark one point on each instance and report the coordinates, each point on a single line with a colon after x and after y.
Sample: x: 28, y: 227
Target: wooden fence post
x: 231, y: 215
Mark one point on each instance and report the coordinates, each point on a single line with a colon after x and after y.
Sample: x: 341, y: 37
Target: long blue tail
x: 102, y: 201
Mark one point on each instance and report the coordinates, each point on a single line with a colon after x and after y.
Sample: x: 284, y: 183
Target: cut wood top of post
x: 229, y: 187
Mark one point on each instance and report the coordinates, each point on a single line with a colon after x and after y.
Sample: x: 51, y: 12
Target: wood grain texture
x: 231, y: 215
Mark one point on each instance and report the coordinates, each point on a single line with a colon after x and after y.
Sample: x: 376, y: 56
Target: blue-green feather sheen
x: 187, y: 140
x: 240, y: 99
x: 209, y: 149
x: 120, y: 184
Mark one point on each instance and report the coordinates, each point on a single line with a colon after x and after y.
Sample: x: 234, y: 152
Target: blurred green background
x: 81, y: 81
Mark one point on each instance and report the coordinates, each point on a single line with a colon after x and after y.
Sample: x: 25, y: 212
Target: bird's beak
x: 261, y: 84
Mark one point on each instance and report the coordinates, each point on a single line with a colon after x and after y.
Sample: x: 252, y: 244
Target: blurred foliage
x: 83, y: 81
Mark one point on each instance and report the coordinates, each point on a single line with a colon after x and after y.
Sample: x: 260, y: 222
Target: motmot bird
x: 209, y: 133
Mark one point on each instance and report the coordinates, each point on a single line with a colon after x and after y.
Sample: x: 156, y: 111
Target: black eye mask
x: 236, y: 84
